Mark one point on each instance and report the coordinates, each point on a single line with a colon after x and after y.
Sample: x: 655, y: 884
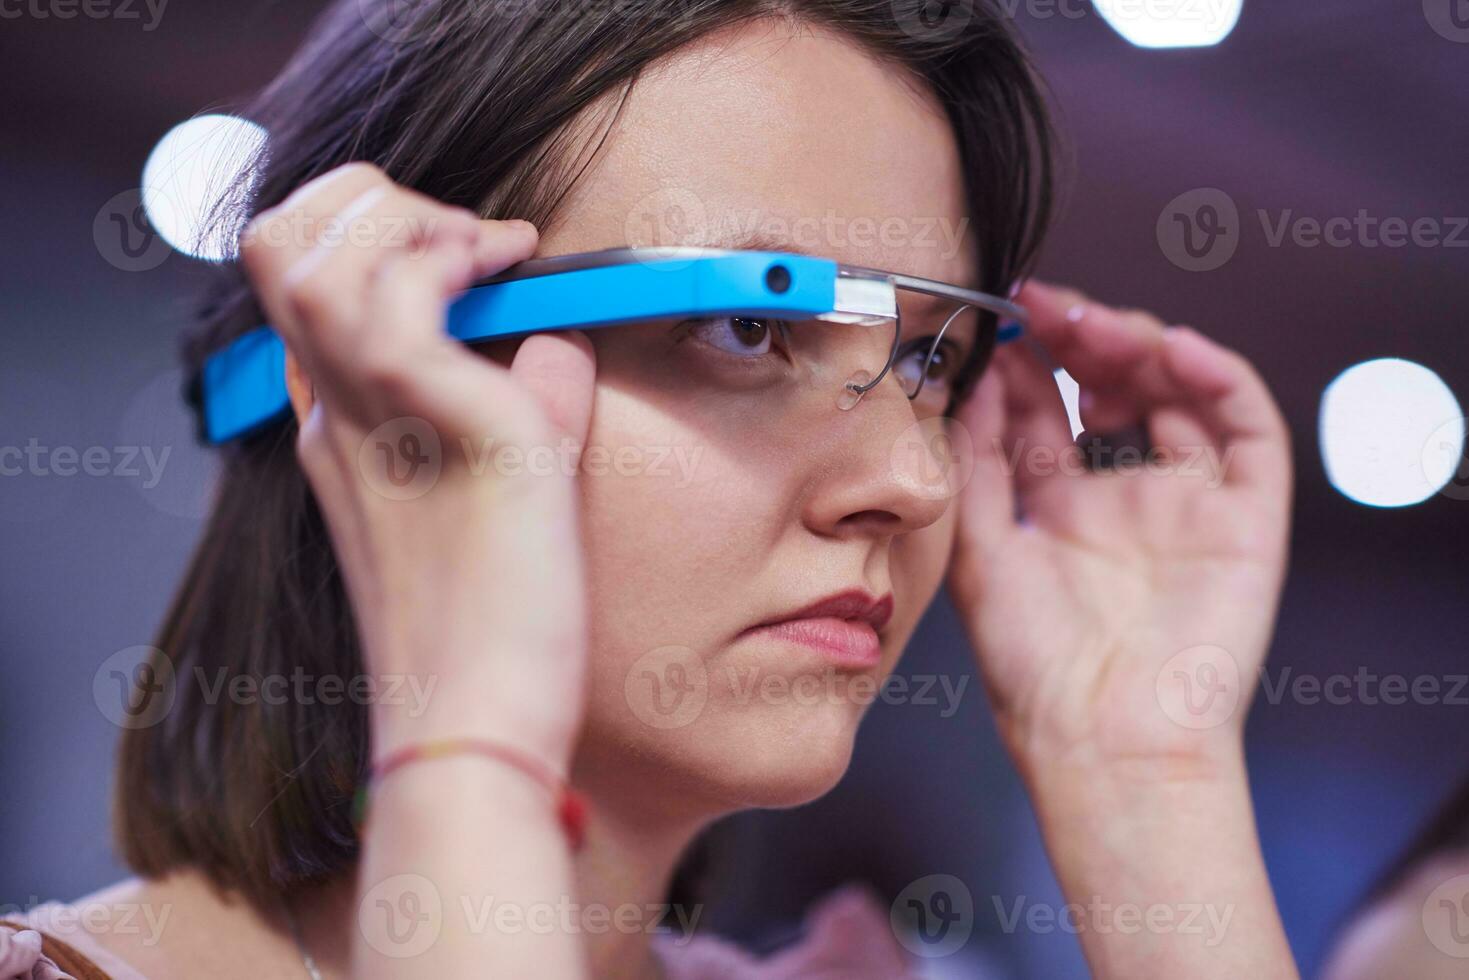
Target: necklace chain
x: 306, y: 958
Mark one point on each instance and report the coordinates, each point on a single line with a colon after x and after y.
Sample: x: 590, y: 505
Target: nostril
x: 872, y: 519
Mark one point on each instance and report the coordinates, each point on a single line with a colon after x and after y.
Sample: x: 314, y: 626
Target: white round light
x: 194, y: 168
x: 1392, y: 433
x: 1171, y: 23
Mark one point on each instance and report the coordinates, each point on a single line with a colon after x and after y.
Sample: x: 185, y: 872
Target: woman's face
x: 721, y: 498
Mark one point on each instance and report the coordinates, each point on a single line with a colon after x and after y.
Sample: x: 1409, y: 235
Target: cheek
x: 920, y: 560
x: 672, y: 523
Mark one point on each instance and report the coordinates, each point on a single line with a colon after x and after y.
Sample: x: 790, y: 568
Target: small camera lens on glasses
x: 778, y: 278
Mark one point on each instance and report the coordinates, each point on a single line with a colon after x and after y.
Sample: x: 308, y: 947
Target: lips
x: 843, y: 627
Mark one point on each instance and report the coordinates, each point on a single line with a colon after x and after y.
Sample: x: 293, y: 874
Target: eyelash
x: 781, y: 332
x: 779, y: 329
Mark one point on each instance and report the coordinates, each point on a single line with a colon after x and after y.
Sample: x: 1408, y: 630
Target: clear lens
x: 919, y: 336
x: 924, y: 353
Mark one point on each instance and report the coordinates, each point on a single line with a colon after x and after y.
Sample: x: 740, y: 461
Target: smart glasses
x: 828, y: 319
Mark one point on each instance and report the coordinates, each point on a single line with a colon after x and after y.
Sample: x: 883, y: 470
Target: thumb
x: 559, y: 370
x: 987, y: 502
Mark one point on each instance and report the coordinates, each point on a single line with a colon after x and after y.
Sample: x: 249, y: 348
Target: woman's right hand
x: 461, y: 560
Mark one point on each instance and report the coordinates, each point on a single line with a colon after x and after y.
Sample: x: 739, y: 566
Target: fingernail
x: 1075, y: 314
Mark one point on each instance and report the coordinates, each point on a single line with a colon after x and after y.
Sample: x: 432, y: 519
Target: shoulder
x: 847, y: 934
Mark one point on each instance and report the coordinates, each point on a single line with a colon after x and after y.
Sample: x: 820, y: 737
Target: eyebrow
x: 758, y: 242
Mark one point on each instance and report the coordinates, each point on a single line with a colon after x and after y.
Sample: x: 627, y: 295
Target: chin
x: 773, y: 746
x: 771, y: 757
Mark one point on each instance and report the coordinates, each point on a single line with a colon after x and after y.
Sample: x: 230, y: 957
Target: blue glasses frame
x: 244, y: 387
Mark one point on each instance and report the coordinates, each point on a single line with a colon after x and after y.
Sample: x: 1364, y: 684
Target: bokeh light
x: 1392, y: 433
x: 1171, y: 23
x: 191, y: 174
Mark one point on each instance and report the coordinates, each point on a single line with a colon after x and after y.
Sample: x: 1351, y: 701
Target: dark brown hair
x: 471, y: 102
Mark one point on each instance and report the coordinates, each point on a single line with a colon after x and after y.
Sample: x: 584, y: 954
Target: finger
x: 1097, y: 344
x: 327, y: 288
x: 1037, y: 440
x: 1131, y: 367
x: 987, y: 503
x: 559, y: 371
x: 501, y: 244
x: 1108, y: 411
x: 1176, y: 433
x: 382, y: 218
x: 1231, y: 399
x: 410, y: 365
x: 278, y: 237
x: 1114, y: 355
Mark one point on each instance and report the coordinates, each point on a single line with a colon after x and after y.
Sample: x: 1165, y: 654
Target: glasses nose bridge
x: 860, y: 380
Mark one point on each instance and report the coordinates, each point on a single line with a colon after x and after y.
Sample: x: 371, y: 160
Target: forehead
x: 778, y: 135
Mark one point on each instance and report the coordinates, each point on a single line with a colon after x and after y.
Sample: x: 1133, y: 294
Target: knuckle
x: 313, y: 300
x: 1141, y: 318
x: 260, y: 236
x: 364, y: 170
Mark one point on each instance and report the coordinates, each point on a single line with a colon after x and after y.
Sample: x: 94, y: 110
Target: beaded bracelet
x: 571, y: 809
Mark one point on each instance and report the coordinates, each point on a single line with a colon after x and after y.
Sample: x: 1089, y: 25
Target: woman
x: 542, y: 607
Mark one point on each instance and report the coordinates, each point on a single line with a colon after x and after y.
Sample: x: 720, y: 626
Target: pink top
x: 847, y: 936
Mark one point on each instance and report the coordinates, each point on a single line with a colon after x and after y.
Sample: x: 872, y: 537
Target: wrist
x: 1180, y: 841
x: 1094, y: 765
x: 568, y: 805
x: 1106, y: 821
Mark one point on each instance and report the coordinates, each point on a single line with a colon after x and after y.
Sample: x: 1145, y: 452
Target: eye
x: 942, y: 369
x: 737, y: 335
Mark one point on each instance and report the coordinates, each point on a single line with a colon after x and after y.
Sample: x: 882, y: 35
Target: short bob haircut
x: 471, y: 102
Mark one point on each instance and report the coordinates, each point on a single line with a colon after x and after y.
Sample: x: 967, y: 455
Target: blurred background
x: 1296, y: 183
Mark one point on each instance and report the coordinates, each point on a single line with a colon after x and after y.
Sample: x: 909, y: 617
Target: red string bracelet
x: 571, y: 809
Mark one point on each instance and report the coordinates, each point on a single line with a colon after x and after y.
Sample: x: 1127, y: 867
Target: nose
x: 877, y: 468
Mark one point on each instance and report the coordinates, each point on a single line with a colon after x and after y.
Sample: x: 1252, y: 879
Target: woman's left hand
x: 1121, y: 617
